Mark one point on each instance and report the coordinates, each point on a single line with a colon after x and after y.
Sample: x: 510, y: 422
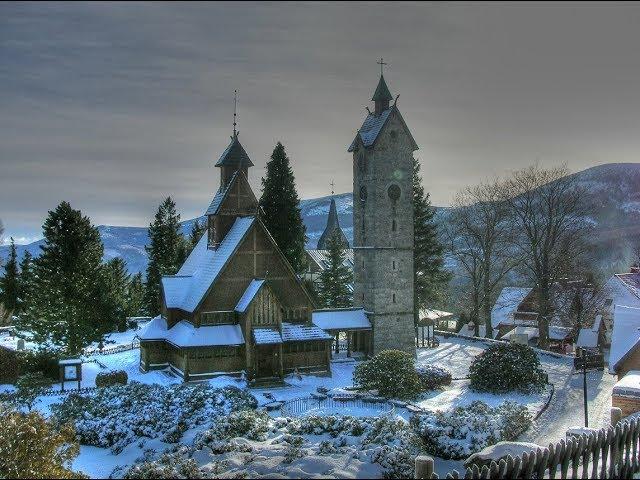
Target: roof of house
x: 187, y: 288
x: 626, y: 334
x: 249, y: 294
x: 321, y: 258
x: 293, y: 332
x: 629, y: 385
x: 587, y: 338
x: 220, y: 195
x: 507, y: 304
x: 631, y: 281
x: 530, y: 332
x: 184, y: 334
x: 234, y: 155
x: 341, y: 319
x: 266, y: 336
x: 370, y: 129
x: 431, y: 314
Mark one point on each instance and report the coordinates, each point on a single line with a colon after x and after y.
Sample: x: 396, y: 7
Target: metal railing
x: 308, y: 405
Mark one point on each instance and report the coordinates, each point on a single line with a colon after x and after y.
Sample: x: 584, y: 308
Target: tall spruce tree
x: 135, y: 296
x: 64, y: 308
x: 333, y: 289
x: 430, y: 277
x: 9, y: 283
x: 281, y: 207
x: 115, y: 282
x: 27, y: 282
x: 165, y: 252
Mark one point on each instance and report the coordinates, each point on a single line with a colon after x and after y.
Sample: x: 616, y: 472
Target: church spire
x: 333, y: 227
x: 382, y: 95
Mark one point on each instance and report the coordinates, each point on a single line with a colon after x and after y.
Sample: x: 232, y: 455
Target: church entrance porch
x: 268, y: 361
x: 350, y: 344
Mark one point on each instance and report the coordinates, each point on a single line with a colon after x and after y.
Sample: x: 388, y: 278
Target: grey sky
x: 115, y: 106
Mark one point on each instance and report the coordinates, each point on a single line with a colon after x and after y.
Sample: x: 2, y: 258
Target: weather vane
x: 381, y: 63
x: 332, y: 185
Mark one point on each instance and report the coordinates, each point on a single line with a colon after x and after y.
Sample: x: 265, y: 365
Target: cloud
x: 115, y: 106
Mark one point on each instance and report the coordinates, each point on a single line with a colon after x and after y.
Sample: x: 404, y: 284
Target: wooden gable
x: 239, y: 199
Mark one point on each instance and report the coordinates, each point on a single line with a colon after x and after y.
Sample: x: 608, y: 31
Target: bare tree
x: 549, y: 231
x: 480, y: 237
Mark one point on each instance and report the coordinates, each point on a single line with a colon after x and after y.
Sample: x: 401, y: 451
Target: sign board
x: 70, y: 372
x: 589, y: 362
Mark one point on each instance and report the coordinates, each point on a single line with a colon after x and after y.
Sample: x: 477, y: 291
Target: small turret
x: 381, y: 97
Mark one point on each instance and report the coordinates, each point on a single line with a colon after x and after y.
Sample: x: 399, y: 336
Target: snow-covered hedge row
x: 176, y: 464
x: 114, y: 417
x: 462, y: 431
x: 250, y: 424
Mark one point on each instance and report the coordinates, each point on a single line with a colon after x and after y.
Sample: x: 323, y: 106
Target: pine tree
x: 334, y: 282
x: 430, y: 277
x: 197, y: 230
x: 164, y: 251
x: 63, y: 308
x: 281, y: 208
x: 135, y: 296
x: 115, y: 282
x: 27, y: 282
x: 9, y: 283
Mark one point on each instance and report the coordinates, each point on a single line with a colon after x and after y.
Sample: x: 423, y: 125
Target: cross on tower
x: 235, y: 104
x: 332, y: 185
x: 381, y: 63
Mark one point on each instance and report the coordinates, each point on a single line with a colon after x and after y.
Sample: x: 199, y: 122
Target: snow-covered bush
x: 108, y: 379
x: 251, y: 424
x: 114, y: 417
x: 334, y: 425
x: 462, y: 431
x: 432, y: 376
x: 506, y: 367
x: 391, y: 372
x: 396, y: 461
x: 294, y: 448
x: 170, y: 465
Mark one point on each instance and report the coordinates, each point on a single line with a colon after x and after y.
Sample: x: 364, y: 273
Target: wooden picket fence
x: 607, y: 453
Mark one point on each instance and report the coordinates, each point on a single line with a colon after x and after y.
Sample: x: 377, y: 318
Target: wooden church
x: 236, y: 304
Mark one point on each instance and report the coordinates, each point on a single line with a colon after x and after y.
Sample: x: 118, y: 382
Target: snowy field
x: 270, y: 457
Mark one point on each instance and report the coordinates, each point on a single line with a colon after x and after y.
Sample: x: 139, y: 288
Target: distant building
x: 624, y: 354
x: 620, y: 289
x: 332, y: 228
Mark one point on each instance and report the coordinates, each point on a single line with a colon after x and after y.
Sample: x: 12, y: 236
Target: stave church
x: 236, y: 306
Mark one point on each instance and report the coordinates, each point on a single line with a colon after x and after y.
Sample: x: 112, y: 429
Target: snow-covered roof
x: 186, y: 289
x: 631, y: 281
x: 220, y: 196
x: 341, y: 319
x: 530, y: 332
x: 431, y: 314
x: 184, y: 334
x: 248, y: 295
x: 587, y: 338
x: 559, y: 333
x: 507, y: 304
x: 293, y: 332
x: 266, y: 336
x: 629, y: 385
x: 370, y: 129
x: 626, y: 334
x: 321, y: 258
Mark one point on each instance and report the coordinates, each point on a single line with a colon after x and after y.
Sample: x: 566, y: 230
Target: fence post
x: 424, y: 467
x: 616, y: 416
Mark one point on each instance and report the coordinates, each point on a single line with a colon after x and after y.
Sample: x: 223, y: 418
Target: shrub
x: 396, y: 461
x: 44, y: 360
x: 391, y: 372
x: 28, y: 388
x: 31, y: 447
x: 108, y: 379
x: 250, y: 424
x: 168, y: 465
x: 10, y: 365
x: 463, y: 431
x: 294, y: 448
x: 117, y: 416
x: 432, y: 377
x: 506, y: 367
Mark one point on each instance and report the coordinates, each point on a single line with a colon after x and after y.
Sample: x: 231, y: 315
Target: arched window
x: 394, y: 298
x: 394, y: 225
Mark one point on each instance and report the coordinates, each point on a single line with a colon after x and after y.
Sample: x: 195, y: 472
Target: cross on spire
x: 235, y: 105
x: 332, y: 185
x: 381, y: 63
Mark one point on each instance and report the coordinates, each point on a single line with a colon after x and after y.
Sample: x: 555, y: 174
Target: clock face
x: 394, y: 192
x: 363, y: 193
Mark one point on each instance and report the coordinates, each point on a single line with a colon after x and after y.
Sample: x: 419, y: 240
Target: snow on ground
x: 454, y: 353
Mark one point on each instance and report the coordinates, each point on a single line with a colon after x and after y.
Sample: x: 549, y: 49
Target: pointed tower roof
x: 333, y: 225
x: 382, y: 93
x: 234, y: 155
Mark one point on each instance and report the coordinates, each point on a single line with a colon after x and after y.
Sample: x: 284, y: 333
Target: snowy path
x: 566, y: 409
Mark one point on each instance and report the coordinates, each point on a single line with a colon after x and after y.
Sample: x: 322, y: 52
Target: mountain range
x: 612, y: 198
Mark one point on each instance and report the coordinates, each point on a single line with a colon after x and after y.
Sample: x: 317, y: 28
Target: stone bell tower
x: 383, y: 223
